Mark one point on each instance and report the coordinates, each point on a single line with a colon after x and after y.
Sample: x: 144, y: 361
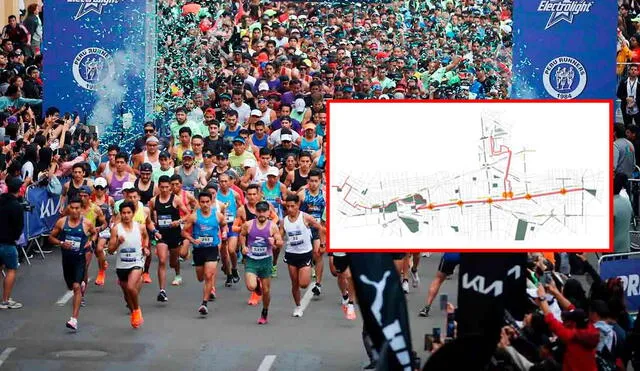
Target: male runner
x: 117, y: 179
x: 78, y: 180
x: 298, y: 251
x: 258, y: 238
x: 165, y: 209
x: 73, y: 234
x: 106, y: 204
x: 165, y: 167
x: 208, y: 226
x: 232, y: 201
x: 132, y: 242
x: 313, y: 203
x: 274, y: 192
x: 447, y: 265
x: 339, y: 266
x: 145, y: 186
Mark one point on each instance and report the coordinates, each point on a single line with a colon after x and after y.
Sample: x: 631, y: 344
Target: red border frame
x: 328, y: 167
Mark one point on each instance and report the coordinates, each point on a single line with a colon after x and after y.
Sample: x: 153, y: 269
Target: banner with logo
x: 560, y: 50
x: 45, y: 213
x: 96, y: 56
x: 627, y: 268
x: 488, y: 285
x: 384, y: 307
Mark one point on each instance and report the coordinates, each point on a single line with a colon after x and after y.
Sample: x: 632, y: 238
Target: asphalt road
x: 174, y: 336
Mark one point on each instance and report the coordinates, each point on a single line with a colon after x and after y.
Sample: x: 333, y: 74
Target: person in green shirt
x: 239, y: 155
x: 182, y: 122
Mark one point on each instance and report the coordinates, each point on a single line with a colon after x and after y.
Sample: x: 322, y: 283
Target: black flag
x: 384, y: 308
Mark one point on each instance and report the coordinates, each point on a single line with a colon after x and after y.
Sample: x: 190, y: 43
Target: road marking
x: 306, y: 299
x: 68, y: 295
x: 5, y: 354
x: 267, y: 362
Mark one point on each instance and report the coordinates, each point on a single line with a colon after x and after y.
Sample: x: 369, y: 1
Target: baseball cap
x: 127, y: 186
x: 152, y: 140
x: 263, y: 86
x: 273, y: 171
x: 146, y: 167
x: 262, y: 206
x: 84, y: 189
x: 238, y: 139
x: 286, y: 137
x: 299, y: 105
x: 225, y: 96
x: 100, y: 182
x: 249, y: 163
x: 164, y: 154
x: 188, y: 153
x: 256, y: 112
x: 223, y: 155
x: 309, y: 125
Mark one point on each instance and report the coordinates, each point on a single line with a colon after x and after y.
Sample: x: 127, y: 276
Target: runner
x: 165, y: 209
x: 301, y: 174
x: 258, y: 174
x: 191, y: 203
x: 313, y: 203
x: 448, y: 264
x: 145, y: 186
x: 298, y: 252
x: 415, y: 260
x: 74, y: 235
x: 339, y: 266
x: 150, y: 155
x: 232, y: 200
x: 258, y: 238
x: 119, y: 177
x: 207, y: 223
x: 106, y: 204
x: 78, y: 180
x: 165, y: 167
x: 93, y: 214
x: 208, y: 166
x: 274, y: 193
x: 192, y: 177
x: 132, y: 242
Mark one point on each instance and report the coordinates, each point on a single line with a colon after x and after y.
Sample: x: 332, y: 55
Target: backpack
x: 605, y: 359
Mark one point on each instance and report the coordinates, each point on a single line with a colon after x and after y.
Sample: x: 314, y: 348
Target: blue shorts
x: 9, y: 256
x: 231, y: 233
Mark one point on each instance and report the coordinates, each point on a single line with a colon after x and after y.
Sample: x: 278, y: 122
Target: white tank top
x: 266, y: 117
x: 154, y: 165
x: 298, y: 236
x: 106, y: 171
x: 130, y: 252
x: 260, y: 177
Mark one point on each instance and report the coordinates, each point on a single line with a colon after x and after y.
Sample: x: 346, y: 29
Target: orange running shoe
x: 146, y: 278
x: 254, y: 299
x: 100, y: 278
x: 136, y: 318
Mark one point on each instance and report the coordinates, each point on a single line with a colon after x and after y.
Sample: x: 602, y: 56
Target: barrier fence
x: 40, y: 220
x: 626, y: 267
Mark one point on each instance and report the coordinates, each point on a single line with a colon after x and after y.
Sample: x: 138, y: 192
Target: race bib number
x: 229, y: 218
x: 105, y: 234
x: 258, y: 250
x: 206, y: 240
x: 74, y: 241
x: 164, y: 221
x: 295, y: 239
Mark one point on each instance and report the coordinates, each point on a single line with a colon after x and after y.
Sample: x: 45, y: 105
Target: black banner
x: 488, y: 285
x: 384, y: 308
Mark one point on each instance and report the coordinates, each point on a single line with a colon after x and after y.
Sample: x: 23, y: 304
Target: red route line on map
x: 502, y: 150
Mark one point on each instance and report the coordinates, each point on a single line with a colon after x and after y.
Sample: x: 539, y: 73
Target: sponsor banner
x: 560, y: 51
x: 384, y: 308
x: 96, y: 60
x: 627, y: 268
x: 45, y: 213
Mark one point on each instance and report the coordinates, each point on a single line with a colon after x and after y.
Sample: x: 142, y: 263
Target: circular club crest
x: 564, y: 78
x: 91, y: 67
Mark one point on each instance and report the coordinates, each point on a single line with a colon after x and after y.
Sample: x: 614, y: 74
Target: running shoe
x: 415, y: 279
x: 136, y: 318
x: 274, y: 271
x: 317, y: 289
x: 146, y: 278
x: 10, y: 304
x: 370, y: 366
x: 236, y: 277
x: 229, y: 281
x: 405, y: 286
x: 262, y: 320
x: 351, y: 312
x: 83, y: 303
x: 72, y: 324
x: 100, y: 278
x: 162, y: 296
x: 177, y: 281
x: 254, y: 299
x: 212, y: 295
x: 425, y: 311
x: 297, y: 311
x: 203, y: 310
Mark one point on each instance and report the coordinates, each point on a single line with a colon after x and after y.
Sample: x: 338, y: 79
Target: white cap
x: 293, y: 17
x: 128, y: 185
x: 100, y: 182
x: 256, y: 112
x: 506, y: 28
x: 152, y: 139
x: 384, y: 96
x: 398, y: 95
x: 299, y: 105
x: 284, y: 137
x: 273, y: 171
x: 249, y: 163
x: 263, y: 86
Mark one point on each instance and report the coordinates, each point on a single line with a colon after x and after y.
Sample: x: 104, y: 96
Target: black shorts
x: 298, y: 260
x: 171, y: 237
x: 447, y: 267
x: 205, y: 254
x: 123, y: 274
x: 398, y: 255
x: 315, y: 234
x: 341, y: 263
x: 73, y: 268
